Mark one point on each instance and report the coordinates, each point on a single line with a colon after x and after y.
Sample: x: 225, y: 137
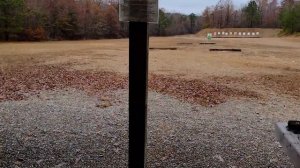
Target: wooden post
x: 138, y: 90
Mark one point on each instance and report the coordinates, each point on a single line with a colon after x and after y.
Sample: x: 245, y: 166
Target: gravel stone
x: 65, y: 128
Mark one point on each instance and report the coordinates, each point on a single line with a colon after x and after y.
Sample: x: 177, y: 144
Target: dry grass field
x: 276, y: 60
x: 220, y: 91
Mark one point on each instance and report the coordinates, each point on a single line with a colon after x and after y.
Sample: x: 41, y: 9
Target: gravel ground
x: 68, y: 128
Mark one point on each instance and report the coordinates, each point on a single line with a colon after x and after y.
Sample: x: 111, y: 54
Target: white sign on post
x: 138, y: 11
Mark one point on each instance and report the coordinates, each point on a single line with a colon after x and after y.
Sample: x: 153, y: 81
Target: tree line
x: 58, y: 19
x: 36, y: 20
x: 257, y: 13
x: 175, y: 24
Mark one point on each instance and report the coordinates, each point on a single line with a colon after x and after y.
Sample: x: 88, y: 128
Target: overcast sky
x: 192, y: 6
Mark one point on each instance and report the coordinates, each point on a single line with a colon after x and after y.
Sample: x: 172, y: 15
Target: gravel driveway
x: 66, y: 128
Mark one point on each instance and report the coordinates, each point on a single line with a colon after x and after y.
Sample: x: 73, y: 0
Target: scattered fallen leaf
x: 21, y: 82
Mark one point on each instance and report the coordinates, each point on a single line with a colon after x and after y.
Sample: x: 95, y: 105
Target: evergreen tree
x: 11, y: 17
x: 193, y: 18
x: 290, y: 18
x: 163, y: 23
x: 252, y: 14
x: 69, y: 26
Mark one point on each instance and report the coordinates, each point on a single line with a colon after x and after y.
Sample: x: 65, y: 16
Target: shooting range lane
x: 178, y: 131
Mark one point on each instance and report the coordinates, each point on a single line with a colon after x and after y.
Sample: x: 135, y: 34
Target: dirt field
x: 258, y: 56
x: 277, y: 59
x: 254, y: 89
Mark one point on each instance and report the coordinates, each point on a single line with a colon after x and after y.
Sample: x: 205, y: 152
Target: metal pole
x: 138, y: 89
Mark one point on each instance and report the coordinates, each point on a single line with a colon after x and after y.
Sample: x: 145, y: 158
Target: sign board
x: 209, y: 36
x: 139, y: 11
